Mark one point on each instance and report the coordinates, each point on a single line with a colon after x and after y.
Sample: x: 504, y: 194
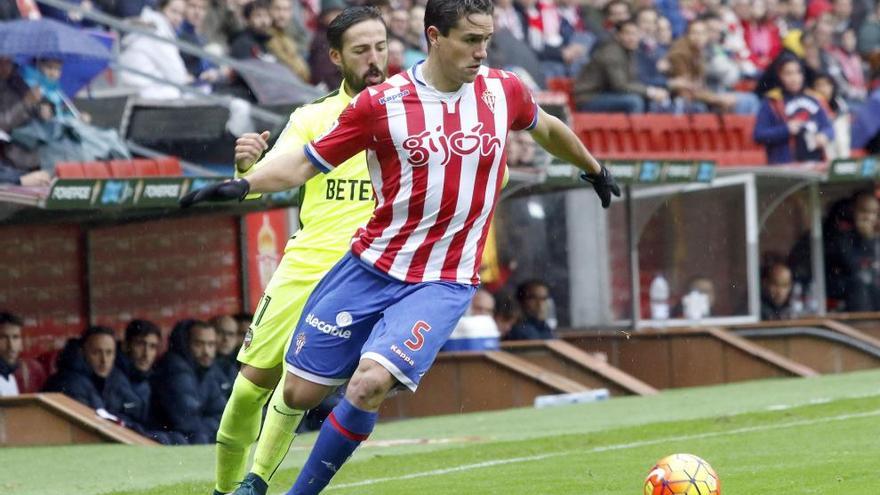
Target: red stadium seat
x: 145, y: 167
x: 96, y: 170
x: 69, y: 170
x: 706, y: 133
x: 121, y: 169
x: 563, y: 85
x: 738, y: 130
x: 605, y: 132
x: 169, y: 166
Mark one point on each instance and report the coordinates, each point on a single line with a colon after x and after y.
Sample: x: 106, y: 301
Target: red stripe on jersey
x: 451, y: 185
x: 478, y: 199
x: 415, y: 124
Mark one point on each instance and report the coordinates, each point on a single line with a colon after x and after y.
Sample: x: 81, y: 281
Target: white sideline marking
x: 620, y: 446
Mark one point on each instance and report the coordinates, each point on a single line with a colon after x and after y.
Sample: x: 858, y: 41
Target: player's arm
x: 555, y: 137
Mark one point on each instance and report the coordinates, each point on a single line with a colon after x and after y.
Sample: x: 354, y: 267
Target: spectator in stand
x: 824, y: 89
x: 664, y: 32
x: 776, y: 285
x: 534, y: 301
x: 140, y: 349
x: 323, y: 69
x: 521, y: 150
x: 847, y: 64
x: 253, y: 41
x: 45, y: 74
x: 191, y: 31
x: 651, y: 55
x: 476, y: 330
x: 188, y: 385
x: 687, y: 76
x: 609, y: 82
x: 18, y: 104
x: 244, y: 321
x: 670, y: 10
x: 223, y: 20
x: 615, y: 12
x: 792, y: 16
x: 282, y: 45
x: 722, y: 70
x: 396, y: 53
x: 550, y: 37
x: 761, y: 35
x: 869, y: 35
x: 17, y: 375
x: 86, y: 373
x: 792, y: 124
x: 507, y: 314
x: 842, y: 10
x: 229, y: 341
x: 852, y: 262
x: 155, y: 57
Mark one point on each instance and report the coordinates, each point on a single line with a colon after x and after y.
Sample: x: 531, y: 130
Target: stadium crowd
x: 809, y: 69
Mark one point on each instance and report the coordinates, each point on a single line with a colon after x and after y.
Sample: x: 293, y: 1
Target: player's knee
x: 369, y: 386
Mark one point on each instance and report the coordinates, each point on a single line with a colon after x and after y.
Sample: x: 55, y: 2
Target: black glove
x: 604, y: 185
x: 220, y: 191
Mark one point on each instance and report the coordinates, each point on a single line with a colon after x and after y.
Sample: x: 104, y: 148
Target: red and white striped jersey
x: 436, y: 162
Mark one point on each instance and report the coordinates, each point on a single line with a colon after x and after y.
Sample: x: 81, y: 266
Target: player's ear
x: 336, y: 57
x: 433, y: 34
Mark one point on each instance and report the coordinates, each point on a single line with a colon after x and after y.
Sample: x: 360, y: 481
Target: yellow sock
x: 279, y: 429
x: 239, y: 428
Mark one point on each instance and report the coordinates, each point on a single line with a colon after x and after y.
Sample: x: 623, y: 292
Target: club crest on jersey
x: 300, y: 342
x: 489, y: 100
x: 421, y: 146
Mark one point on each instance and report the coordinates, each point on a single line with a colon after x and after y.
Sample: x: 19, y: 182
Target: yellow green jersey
x: 334, y: 205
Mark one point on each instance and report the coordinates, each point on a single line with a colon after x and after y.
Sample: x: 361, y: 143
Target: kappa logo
x: 489, y: 99
x: 388, y: 99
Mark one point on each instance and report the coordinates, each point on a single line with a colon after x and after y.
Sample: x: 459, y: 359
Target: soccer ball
x: 682, y: 474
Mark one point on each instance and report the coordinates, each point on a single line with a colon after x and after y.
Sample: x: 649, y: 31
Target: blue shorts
x: 357, y: 312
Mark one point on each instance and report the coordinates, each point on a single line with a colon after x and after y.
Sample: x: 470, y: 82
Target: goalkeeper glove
x: 604, y: 185
x: 220, y: 191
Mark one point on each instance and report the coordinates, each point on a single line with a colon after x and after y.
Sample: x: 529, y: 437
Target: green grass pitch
x: 788, y: 436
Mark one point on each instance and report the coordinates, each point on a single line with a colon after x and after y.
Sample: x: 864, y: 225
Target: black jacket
x: 114, y: 393
x: 531, y: 329
x: 188, y: 398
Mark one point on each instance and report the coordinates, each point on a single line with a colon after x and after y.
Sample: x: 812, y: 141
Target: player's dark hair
x: 141, y: 328
x: 444, y: 14
x: 7, y: 318
x: 253, y: 6
x: 96, y: 330
x: 348, y: 18
x: 523, y: 289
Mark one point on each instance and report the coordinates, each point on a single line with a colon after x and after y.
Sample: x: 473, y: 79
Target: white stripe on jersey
x: 397, y: 128
x: 469, y: 253
x: 434, y: 192
x: 469, y: 165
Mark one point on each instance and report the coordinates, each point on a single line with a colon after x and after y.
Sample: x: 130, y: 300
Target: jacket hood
x: 178, y: 342
x: 71, y: 358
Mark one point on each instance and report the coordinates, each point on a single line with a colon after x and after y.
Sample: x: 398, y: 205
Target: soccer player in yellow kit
x: 333, y: 207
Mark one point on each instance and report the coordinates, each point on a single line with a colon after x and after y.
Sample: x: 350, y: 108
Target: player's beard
x: 358, y: 82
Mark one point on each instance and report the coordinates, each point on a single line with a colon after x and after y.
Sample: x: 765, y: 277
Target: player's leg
x: 261, y: 357
x: 401, y: 348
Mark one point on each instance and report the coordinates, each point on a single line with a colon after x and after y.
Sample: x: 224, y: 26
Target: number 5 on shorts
x: 418, y: 339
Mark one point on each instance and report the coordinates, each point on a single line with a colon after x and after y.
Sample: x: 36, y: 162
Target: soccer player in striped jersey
x: 333, y: 207
x: 435, y: 138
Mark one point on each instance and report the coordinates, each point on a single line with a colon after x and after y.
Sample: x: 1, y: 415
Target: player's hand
x: 221, y: 191
x: 249, y: 148
x: 604, y: 185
